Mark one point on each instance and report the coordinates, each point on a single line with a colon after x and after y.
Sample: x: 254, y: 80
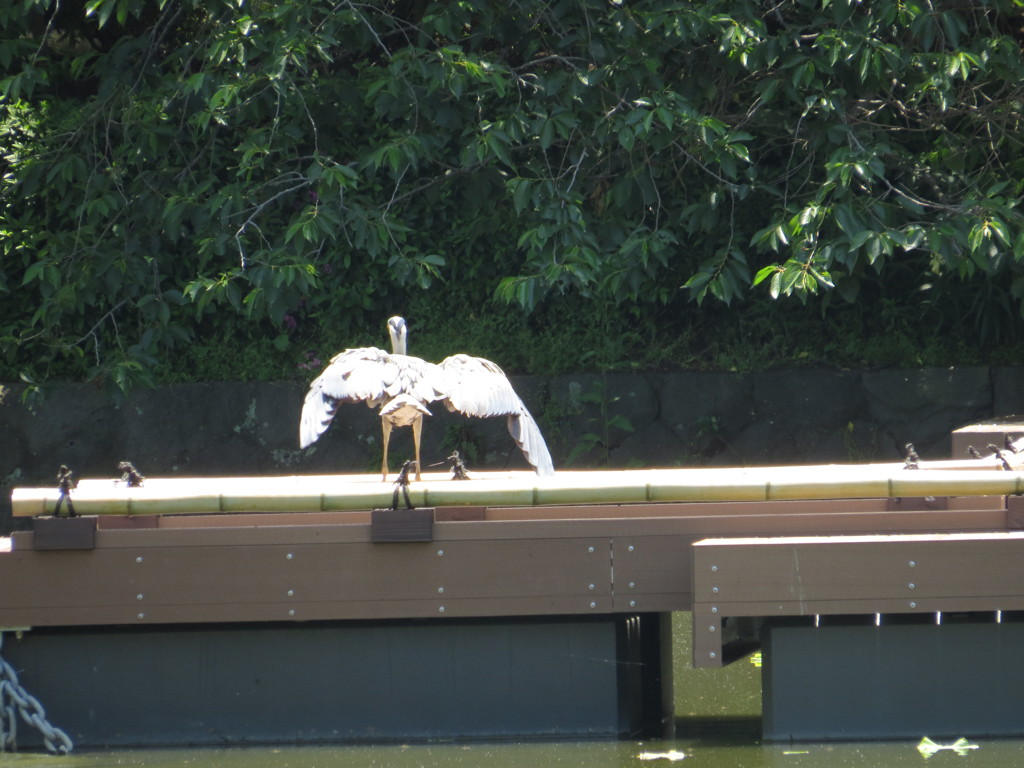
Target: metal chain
x: 12, y: 696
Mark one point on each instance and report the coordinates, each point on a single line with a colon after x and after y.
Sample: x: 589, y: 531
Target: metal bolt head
x: 632, y: 585
x: 290, y: 556
x: 590, y: 549
x: 440, y: 609
x: 138, y: 559
x: 911, y: 563
x: 631, y: 548
x: 138, y: 596
x: 714, y: 609
x: 910, y: 585
x: 440, y: 590
x: 440, y: 553
x: 291, y: 593
x: 593, y: 604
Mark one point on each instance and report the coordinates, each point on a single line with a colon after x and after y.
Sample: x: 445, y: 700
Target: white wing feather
x: 477, y: 387
x: 366, y: 374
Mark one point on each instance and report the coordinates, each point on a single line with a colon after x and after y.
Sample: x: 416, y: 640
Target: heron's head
x: 399, y: 334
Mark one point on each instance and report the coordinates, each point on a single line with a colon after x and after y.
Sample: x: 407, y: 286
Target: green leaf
x: 764, y: 273
x: 792, y: 274
x: 999, y: 229
x: 35, y: 271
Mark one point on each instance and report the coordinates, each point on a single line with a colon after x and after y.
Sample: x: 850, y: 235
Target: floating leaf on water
x: 671, y: 755
x: 961, y: 746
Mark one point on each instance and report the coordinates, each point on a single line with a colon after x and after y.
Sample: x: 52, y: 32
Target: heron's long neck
x: 397, y: 343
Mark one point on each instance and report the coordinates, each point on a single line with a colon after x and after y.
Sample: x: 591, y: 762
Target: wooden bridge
x: 570, y: 573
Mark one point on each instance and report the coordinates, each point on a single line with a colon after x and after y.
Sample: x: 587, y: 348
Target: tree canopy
x: 175, y: 165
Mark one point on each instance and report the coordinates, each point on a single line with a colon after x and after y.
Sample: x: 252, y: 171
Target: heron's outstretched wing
x: 478, y: 387
x: 352, y: 376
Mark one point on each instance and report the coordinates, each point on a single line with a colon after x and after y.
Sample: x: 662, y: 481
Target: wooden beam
x: 302, y: 573
x: 867, y: 574
x: 510, y: 561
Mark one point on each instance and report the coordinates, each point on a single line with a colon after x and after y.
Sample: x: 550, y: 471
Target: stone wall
x: 615, y: 420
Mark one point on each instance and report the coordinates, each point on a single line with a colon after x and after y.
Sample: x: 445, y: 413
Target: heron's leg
x: 386, y: 426
x: 417, y: 429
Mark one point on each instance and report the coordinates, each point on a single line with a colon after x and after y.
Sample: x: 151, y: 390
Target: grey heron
x: 402, y: 386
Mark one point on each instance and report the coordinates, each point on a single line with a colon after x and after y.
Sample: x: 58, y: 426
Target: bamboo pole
x: 981, y: 477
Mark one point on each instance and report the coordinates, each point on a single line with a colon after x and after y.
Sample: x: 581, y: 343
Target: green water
x: 718, y: 725
x: 698, y: 754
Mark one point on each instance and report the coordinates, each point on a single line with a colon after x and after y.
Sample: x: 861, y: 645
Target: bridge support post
x: 941, y: 675
x: 379, y: 681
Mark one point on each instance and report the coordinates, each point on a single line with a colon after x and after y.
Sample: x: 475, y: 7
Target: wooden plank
x: 684, y: 509
x: 1015, y: 513
x: 585, y: 512
x: 501, y: 570
x: 459, y: 514
x: 863, y: 567
x: 909, y: 503
x: 849, y: 575
x: 223, y: 530
x: 128, y: 521
x: 711, y: 525
x: 261, y: 519
x: 356, y: 610
x: 177, y: 536
x: 705, y: 509
x: 649, y: 567
x: 59, y: 581
x: 706, y: 642
x: 478, y: 513
x: 854, y: 607
x: 493, y: 570
x: 311, y: 580
x: 651, y: 602
x: 977, y: 502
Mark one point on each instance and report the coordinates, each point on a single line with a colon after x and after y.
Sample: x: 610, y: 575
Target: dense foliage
x: 176, y: 171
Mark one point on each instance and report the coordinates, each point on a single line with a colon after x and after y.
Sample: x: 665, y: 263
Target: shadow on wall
x: 590, y: 421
